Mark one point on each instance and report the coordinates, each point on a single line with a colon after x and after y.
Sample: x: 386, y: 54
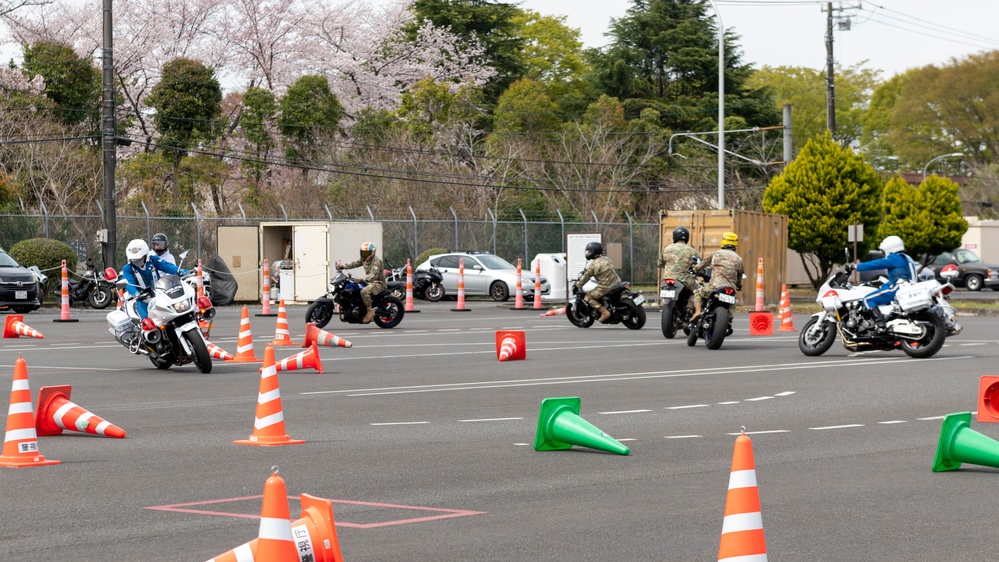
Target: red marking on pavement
x: 443, y: 513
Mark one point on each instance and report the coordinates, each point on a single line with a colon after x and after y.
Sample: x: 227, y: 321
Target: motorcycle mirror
x: 121, y: 283
x: 184, y: 254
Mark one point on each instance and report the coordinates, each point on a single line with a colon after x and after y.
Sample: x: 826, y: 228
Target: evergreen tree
x: 927, y: 218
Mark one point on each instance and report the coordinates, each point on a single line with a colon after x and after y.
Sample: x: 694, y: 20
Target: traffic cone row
x: 312, y: 537
x: 554, y: 312
x: 281, y: 334
x: 244, y: 345
x: 315, y: 335
x: 268, y: 424
x: 14, y: 327
x: 784, y: 312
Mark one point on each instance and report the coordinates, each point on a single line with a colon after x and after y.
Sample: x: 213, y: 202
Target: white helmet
x: 137, y: 252
x: 891, y: 245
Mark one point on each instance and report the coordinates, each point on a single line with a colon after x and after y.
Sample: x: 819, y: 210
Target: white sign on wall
x: 575, y: 252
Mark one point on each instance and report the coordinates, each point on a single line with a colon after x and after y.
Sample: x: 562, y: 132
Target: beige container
x: 761, y: 235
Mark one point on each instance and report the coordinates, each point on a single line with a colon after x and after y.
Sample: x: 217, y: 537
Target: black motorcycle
x: 716, y: 319
x: 427, y: 284
x: 91, y: 289
x: 676, y: 311
x: 624, y: 304
x: 344, y: 295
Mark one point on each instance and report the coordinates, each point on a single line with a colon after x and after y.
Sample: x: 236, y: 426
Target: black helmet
x: 681, y: 233
x: 160, y: 243
x: 594, y: 249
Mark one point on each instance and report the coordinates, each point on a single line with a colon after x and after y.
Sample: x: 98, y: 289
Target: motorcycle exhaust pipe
x: 152, y: 336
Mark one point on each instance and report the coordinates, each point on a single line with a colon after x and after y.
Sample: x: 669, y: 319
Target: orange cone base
x: 761, y: 324
x: 280, y: 343
x: 251, y: 359
x: 988, y: 399
x: 269, y: 441
x: 18, y: 462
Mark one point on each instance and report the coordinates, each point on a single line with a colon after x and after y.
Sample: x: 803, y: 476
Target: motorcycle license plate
x: 21, y: 295
x: 726, y: 298
x: 667, y: 294
x: 639, y: 299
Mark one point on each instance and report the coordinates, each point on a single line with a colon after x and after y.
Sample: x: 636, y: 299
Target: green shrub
x: 427, y: 253
x: 46, y: 254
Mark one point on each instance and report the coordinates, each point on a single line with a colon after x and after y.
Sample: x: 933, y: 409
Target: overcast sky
x: 892, y: 35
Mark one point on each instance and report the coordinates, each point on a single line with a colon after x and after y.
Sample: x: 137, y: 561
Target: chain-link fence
x: 402, y: 238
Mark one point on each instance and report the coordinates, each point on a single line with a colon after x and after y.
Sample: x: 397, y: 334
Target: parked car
x: 19, y: 288
x: 485, y: 274
x: 971, y: 271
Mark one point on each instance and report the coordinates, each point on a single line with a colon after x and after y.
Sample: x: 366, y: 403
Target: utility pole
x: 830, y: 73
x: 108, y: 140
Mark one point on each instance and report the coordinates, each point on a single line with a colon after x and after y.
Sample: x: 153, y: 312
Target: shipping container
x: 761, y: 235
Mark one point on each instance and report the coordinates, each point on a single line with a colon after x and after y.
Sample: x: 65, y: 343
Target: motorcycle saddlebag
x: 119, y: 322
x: 913, y: 298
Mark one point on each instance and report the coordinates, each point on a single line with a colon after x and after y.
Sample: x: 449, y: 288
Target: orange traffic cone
x: 64, y: 306
x: 244, y: 346
x: 218, y: 353
x: 759, y: 286
x: 302, y: 360
x: 314, y: 535
x: 314, y: 335
x: 784, y: 312
x: 14, y: 327
x: 56, y: 412
x: 268, y: 425
x: 554, y: 312
x: 511, y: 344
x: 274, y: 540
x: 281, y: 334
x: 265, y: 297
x: 409, y: 288
x: 742, y: 531
x: 761, y: 323
x: 519, y: 300
x: 537, y: 285
x: 461, y: 288
x: 20, y: 442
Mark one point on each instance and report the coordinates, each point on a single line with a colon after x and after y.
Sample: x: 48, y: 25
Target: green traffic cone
x: 560, y: 427
x: 959, y: 443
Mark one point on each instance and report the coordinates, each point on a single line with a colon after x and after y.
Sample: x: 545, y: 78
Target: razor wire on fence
x: 402, y: 239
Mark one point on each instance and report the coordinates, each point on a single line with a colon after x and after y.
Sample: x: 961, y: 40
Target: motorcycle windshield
x: 171, y: 285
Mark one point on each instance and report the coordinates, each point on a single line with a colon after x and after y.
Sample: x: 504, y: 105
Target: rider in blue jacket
x: 143, y: 270
x: 899, y: 265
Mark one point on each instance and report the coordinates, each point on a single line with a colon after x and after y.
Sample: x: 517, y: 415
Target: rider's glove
x: 185, y: 271
x: 849, y: 268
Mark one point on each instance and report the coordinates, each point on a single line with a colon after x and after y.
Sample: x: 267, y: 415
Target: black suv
x: 18, y: 286
x: 967, y: 268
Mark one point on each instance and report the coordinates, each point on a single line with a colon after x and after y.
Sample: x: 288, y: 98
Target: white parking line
x: 730, y: 402
x: 787, y: 393
x: 491, y: 419
x: 758, y: 398
x: 845, y: 426
x: 931, y: 418
x: 889, y: 422
x: 682, y: 436
x: 401, y: 423
x: 762, y: 432
x: 623, y: 412
x: 687, y: 407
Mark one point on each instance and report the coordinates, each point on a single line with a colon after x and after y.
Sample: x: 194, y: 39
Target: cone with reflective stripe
x: 20, y: 442
x: 64, y: 300
x: 461, y: 288
x: 281, y: 334
x: 314, y: 535
x: 742, y: 531
x: 303, y: 360
x: 784, y: 312
x: 560, y: 427
x: 218, y: 353
x: 265, y: 294
x: 959, y: 443
x: 244, y: 345
x: 759, y: 286
x: 537, y: 285
x: 56, y: 412
x: 554, y: 312
x: 314, y: 335
x: 511, y: 345
x: 268, y: 425
x: 14, y: 327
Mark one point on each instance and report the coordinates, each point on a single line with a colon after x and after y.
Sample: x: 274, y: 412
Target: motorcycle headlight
x: 182, y: 306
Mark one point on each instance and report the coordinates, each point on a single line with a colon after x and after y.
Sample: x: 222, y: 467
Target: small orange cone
x: 537, y: 285
x: 274, y: 540
x: 461, y: 288
x: 554, y: 312
x: 759, y: 286
x: 302, y: 360
x: 64, y: 307
x: 988, y: 399
x: 281, y: 334
x: 314, y: 335
x: 511, y: 345
x: 20, y: 442
x: 244, y: 345
x: 268, y: 425
x: 14, y: 327
x: 784, y: 312
x: 314, y: 535
x: 265, y: 297
x: 56, y: 412
x: 761, y: 324
x: 218, y: 353
x: 742, y: 531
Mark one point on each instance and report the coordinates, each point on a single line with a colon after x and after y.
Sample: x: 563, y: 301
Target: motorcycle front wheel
x: 202, y: 360
x: 715, y: 334
x: 814, y: 340
x: 931, y: 342
x: 578, y: 318
x: 434, y: 293
x: 636, y: 316
x: 99, y: 297
x: 319, y: 312
x: 390, y: 313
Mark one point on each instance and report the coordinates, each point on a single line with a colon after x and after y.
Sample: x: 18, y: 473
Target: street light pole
x: 942, y: 156
x: 721, y: 107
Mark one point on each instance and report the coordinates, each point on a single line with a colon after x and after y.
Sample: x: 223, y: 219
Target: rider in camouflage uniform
x: 602, y: 269
x: 726, y: 271
x: 374, y: 276
x: 678, y: 258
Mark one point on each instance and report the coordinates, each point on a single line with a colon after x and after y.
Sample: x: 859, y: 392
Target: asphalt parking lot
x: 423, y: 441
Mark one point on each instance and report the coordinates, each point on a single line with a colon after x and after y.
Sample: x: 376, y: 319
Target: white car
x: 485, y: 274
